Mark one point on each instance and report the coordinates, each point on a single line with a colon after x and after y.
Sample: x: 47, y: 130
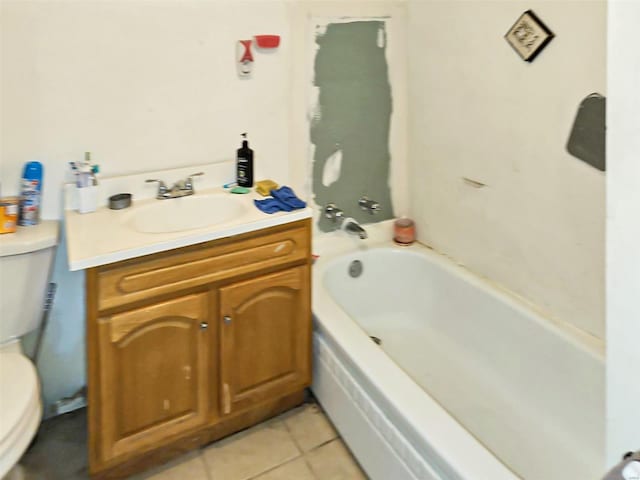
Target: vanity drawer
x: 137, y: 279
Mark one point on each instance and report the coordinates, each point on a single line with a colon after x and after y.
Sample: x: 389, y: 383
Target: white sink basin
x: 187, y: 213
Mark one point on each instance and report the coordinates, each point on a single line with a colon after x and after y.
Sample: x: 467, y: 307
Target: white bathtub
x: 468, y: 383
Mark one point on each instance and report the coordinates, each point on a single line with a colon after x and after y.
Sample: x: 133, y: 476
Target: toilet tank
x: 26, y: 258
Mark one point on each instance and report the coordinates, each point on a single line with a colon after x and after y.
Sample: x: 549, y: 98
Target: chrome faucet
x: 352, y: 227
x: 181, y: 188
x: 333, y: 213
x: 349, y: 225
x: 368, y: 205
x: 163, y: 191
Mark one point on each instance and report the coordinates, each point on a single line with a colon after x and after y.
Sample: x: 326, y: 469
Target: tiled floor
x: 298, y: 445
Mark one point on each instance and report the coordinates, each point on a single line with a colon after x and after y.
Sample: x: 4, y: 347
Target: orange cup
x: 404, y: 231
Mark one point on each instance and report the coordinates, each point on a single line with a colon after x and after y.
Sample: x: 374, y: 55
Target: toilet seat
x: 20, y: 408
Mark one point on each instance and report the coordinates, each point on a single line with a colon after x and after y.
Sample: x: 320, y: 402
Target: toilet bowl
x: 25, y: 263
x: 20, y: 408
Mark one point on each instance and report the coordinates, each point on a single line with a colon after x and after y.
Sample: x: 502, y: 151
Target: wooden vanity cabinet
x: 193, y: 344
x: 153, y: 376
x: 264, y: 347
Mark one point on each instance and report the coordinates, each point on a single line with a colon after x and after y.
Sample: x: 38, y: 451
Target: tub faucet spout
x: 349, y: 225
x: 352, y: 227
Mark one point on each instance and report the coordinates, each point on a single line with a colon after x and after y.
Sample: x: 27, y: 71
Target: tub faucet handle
x: 368, y: 205
x: 333, y: 213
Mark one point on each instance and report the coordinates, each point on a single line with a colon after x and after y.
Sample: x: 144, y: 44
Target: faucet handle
x: 162, y: 187
x: 333, y: 213
x: 369, y: 205
x: 188, y: 184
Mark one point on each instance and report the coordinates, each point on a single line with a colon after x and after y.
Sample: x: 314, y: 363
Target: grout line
x: 306, y: 460
x: 274, y: 467
x: 271, y: 421
x: 301, y: 453
x: 293, y: 439
x: 204, y: 463
x: 309, y: 466
x: 326, y: 442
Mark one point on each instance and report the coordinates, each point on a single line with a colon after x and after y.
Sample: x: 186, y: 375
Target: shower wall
x: 349, y: 106
x: 492, y: 184
x: 352, y: 118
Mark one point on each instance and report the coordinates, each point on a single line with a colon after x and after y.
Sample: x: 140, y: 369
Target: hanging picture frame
x: 528, y: 36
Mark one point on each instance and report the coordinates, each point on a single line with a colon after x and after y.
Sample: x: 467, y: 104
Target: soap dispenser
x: 244, y: 164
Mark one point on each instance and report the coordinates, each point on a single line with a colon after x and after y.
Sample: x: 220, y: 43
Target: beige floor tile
x: 334, y: 462
x: 310, y: 427
x: 294, y: 470
x: 250, y: 453
x: 189, y: 466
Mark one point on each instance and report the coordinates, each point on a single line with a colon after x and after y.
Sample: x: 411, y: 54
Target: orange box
x: 8, y: 214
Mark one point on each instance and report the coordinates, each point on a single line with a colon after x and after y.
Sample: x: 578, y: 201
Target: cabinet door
x: 153, y: 380
x: 265, y: 338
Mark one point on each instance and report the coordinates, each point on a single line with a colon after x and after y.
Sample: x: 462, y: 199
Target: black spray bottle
x: 244, y: 164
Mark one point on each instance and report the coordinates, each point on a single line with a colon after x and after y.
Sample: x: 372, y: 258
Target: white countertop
x: 106, y: 236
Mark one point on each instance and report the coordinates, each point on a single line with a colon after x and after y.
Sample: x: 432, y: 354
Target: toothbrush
x: 76, y: 171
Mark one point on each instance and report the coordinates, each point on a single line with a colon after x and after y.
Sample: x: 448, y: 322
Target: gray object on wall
x: 624, y: 470
x: 587, y: 139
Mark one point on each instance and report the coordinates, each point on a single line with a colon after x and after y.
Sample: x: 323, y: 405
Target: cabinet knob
x: 227, y: 319
x: 204, y: 326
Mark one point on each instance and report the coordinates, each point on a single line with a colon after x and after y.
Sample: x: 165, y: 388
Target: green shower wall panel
x: 353, y: 115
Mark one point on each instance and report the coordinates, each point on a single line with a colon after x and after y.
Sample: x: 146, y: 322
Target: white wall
x: 623, y: 231
x: 144, y: 86
x: 152, y: 85
x: 479, y: 112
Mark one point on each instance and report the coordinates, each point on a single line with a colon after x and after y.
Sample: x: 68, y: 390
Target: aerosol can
x: 30, y: 194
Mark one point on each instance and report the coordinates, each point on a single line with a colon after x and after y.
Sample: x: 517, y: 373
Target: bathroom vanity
x: 192, y: 342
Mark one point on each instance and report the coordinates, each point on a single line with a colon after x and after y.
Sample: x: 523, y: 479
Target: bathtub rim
x: 456, y: 453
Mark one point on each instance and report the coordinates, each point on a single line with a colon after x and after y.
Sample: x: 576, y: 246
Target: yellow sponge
x: 264, y: 187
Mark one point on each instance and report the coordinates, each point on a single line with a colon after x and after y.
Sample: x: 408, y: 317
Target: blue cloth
x: 283, y: 200
x: 272, y: 205
x: 286, y: 196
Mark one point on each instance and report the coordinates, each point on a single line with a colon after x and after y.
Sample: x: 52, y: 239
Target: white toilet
x: 25, y: 262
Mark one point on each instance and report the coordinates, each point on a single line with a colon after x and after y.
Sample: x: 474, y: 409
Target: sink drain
x: 376, y: 340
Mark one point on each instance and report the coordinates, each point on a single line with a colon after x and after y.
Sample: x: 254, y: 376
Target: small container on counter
x: 87, y: 199
x: 8, y: 214
x: 86, y: 184
x: 120, y: 201
x: 404, y: 231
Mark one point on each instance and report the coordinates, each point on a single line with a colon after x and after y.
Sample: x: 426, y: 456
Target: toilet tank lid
x: 29, y: 239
